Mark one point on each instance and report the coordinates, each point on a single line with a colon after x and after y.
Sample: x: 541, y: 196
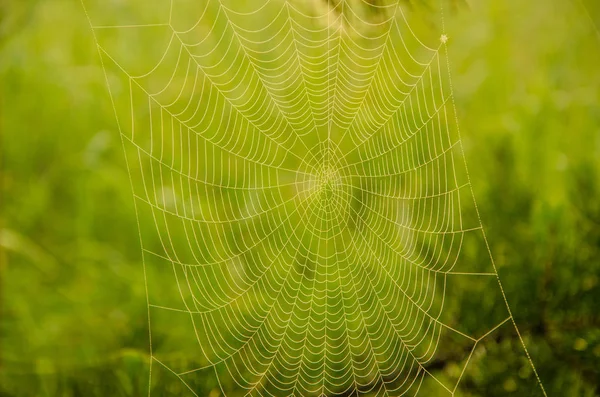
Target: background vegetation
x: 73, y: 308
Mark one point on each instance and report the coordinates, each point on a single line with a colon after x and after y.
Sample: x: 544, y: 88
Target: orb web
x: 301, y: 192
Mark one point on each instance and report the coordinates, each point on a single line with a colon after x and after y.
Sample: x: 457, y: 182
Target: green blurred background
x: 73, y: 306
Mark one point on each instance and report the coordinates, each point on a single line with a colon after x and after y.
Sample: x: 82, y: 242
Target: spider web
x: 301, y: 192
